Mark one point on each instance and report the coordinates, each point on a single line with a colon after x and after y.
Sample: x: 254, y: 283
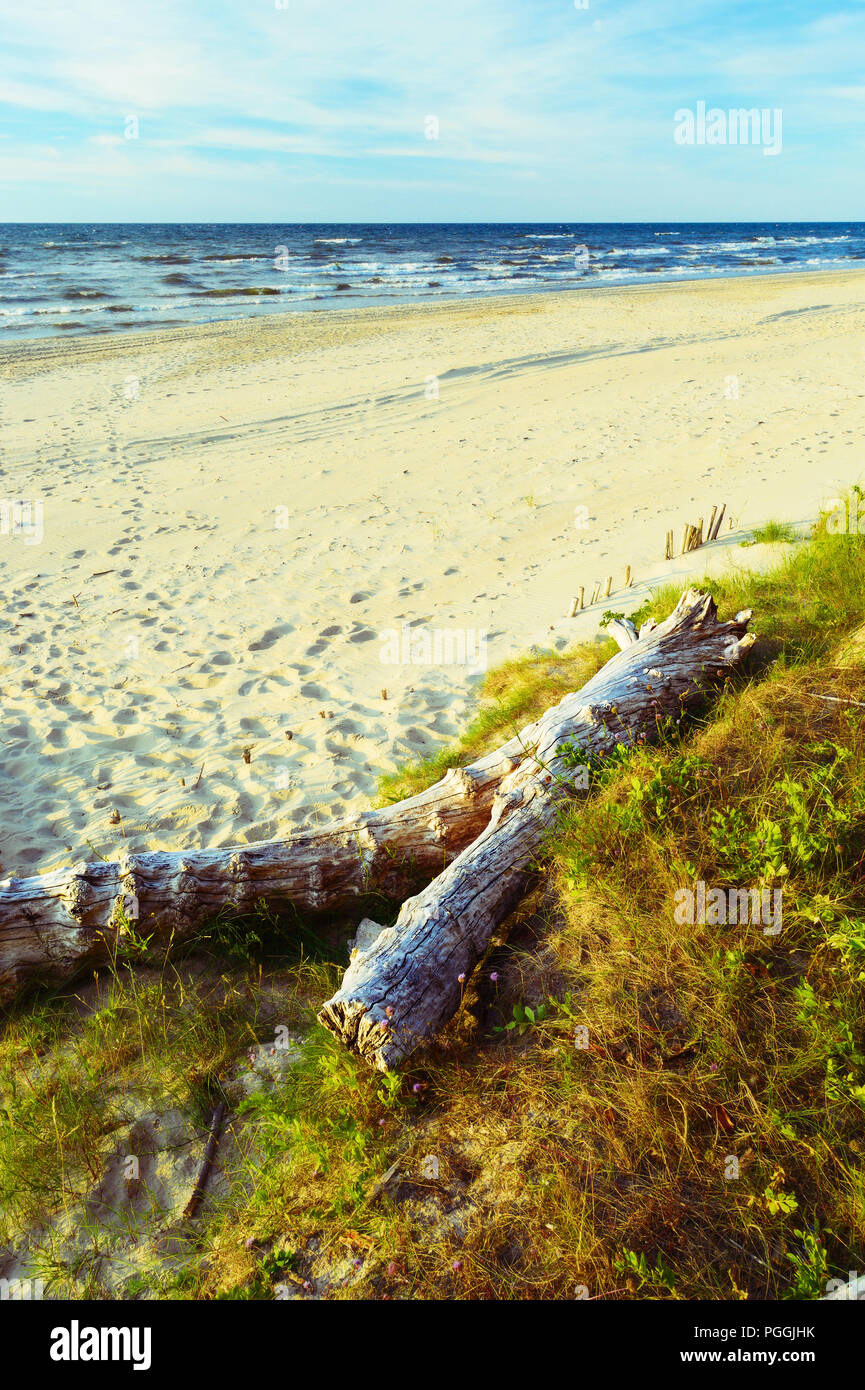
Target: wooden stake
x: 627, y: 576
x: 685, y: 534
x: 597, y: 591
x: 582, y: 591
x: 699, y: 537
x: 574, y: 607
x: 609, y: 586
x: 711, y: 524
x: 714, y: 535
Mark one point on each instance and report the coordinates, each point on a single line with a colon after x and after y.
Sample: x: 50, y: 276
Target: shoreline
x: 169, y: 621
x: 522, y: 301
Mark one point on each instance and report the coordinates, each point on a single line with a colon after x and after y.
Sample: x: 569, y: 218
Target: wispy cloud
x: 319, y: 112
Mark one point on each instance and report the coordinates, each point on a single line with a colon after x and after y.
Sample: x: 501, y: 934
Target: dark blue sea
x: 76, y: 278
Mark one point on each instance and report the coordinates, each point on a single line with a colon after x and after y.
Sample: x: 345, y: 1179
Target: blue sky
x: 317, y: 111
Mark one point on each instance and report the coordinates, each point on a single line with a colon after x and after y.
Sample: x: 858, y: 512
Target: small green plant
x: 810, y: 1267
x: 524, y: 1018
x: 779, y: 1203
x: 130, y: 945
x: 276, y: 1262
x: 638, y: 1267
x: 848, y: 938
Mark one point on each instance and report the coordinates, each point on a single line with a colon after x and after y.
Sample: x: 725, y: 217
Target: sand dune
x: 234, y: 515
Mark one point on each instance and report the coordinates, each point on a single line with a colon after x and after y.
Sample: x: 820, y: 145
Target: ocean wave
x: 77, y: 309
x: 640, y: 251
x: 237, y: 291
x: 812, y: 240
x: 73, y: 293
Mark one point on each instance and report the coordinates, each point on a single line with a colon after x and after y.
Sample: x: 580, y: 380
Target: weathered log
x: 402, y: 990
x: 53, y: 926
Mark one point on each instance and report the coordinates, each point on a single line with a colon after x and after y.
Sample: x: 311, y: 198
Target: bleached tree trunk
x: 402, y: 990
x: 53, y: 926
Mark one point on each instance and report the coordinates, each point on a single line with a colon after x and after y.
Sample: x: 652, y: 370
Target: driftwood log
x: 401, y: 991
x: 53, y: 926
x: 491, y: 814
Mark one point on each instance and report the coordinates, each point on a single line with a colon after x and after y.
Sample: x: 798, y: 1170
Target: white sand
x: 215, y: 631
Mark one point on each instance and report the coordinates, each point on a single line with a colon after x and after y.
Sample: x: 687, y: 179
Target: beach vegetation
x: 626, y: 1104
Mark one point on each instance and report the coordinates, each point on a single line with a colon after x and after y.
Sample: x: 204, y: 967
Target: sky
x: 321, y: 110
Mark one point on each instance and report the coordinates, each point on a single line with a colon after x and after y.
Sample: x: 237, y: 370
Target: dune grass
x: 771, y: 533
x: 510, y: 697
x: 626, y: 1105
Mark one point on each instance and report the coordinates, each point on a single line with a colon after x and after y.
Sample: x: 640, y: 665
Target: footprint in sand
x: 268, y: 638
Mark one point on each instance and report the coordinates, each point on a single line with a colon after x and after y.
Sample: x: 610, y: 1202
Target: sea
x: 63, y: 279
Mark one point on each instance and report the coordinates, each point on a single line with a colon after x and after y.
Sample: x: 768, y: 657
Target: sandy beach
x: 238, y: 532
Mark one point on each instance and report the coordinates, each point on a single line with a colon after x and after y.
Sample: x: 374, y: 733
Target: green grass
x: 772, y: 532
